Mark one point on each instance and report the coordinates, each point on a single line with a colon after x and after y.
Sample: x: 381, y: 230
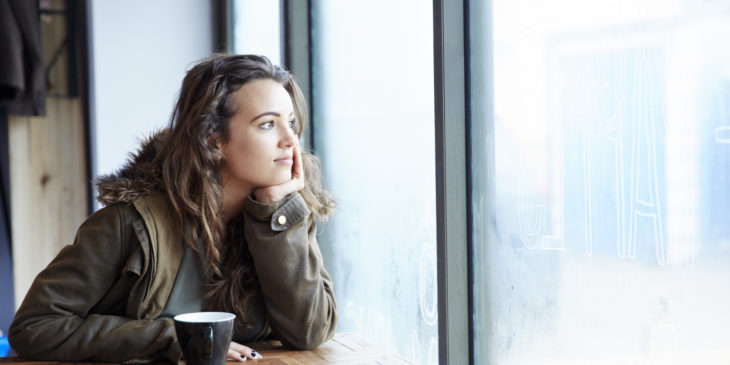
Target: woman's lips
x: 284, y: 161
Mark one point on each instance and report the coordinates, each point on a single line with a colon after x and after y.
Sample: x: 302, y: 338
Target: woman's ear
x: 215, y: 141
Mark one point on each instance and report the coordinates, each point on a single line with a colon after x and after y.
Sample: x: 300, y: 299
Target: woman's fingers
x: 298, y: 166
x: 235, y: 355
x: 297, y: 175
x: 239, y: 352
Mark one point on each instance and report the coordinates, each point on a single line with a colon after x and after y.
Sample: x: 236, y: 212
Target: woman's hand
x: 238, y: 352
x: 272, y: 194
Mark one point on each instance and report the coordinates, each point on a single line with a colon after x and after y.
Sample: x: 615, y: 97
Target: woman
x: 215, y: 212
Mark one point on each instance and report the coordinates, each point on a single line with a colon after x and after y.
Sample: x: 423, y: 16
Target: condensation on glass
x: 257, y: 28
x: 374, y: 132
x: 611, y: 237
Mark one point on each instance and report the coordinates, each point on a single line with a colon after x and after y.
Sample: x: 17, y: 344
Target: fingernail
x: 253, y: 353
x: 243, y: 357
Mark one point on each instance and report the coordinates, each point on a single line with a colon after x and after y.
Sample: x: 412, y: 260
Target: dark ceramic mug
x: 204, y: 337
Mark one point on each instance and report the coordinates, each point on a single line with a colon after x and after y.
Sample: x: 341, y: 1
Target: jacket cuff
x: 174, y: 354
x: 282, y: 214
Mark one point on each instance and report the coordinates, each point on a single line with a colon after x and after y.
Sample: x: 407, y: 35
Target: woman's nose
x: 287, y: 137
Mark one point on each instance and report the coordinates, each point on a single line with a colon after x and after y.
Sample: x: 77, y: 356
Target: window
x: 374, y: 132
x: 606, y: 192
x: 599, y: 156
x: 257, y: 29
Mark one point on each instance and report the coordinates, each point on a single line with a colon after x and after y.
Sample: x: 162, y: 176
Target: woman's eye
x: 267, y: 125
x: 293, y: 124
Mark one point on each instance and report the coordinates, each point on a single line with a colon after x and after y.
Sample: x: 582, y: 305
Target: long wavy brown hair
x: 191, y: 169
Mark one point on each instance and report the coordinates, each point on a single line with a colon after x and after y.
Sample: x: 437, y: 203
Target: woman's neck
x: 234, y: 195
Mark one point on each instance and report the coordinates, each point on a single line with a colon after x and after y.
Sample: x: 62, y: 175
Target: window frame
x: 453, y: 215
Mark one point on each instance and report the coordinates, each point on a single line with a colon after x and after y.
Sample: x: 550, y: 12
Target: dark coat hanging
x: 22, y: 75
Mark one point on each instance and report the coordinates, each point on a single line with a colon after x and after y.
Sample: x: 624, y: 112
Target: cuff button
x: 281, y: 220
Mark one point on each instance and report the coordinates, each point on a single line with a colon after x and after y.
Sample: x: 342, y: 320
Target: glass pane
x: 611, y: 184
x: 257, y: 29
x: 374, y: 131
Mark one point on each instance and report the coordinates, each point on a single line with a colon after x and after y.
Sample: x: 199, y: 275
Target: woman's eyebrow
x: 270, y: 113
x: 265, y: 114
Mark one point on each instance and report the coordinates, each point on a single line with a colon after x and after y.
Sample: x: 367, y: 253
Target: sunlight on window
x: 373, y: 117
x: 612, y: 184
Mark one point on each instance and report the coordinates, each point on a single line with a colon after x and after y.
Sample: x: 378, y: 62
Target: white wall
x: 141, y: 51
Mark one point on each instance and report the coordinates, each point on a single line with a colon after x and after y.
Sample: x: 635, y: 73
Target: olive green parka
x: 100, y: 298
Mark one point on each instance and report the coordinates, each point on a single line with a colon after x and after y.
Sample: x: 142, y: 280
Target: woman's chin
x: 280, y: 180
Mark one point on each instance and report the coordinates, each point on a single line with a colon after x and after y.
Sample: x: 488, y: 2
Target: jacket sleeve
x: 56, y: 320
x: 296, y: 287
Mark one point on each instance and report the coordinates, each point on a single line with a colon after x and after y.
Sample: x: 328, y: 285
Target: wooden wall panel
x: 47, y: 166
x: 48, y: 186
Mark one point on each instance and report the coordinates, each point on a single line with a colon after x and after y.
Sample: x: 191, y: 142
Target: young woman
x: 215, y: 212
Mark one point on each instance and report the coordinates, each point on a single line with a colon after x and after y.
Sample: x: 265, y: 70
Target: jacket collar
x: 165, y: 251
x: 139, y: 182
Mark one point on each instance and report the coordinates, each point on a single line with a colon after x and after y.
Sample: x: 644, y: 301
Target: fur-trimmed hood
x: 139, y: 177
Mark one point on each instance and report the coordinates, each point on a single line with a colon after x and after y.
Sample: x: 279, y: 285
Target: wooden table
x: 344, y: 348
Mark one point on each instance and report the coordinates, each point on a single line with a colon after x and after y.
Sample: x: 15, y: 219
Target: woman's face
x: 259, y: 152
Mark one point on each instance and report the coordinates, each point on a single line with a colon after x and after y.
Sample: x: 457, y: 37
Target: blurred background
x: 590, y: 140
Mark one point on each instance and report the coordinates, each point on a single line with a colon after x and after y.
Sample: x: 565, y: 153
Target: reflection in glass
x: 610, y: 242
x: 374, y: 131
